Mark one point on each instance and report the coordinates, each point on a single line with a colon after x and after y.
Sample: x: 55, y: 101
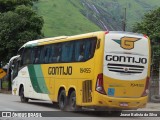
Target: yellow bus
x: 108, y: 70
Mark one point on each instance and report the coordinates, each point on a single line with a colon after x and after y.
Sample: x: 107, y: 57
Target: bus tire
x: 62, y: 100
x: 22, y: 97
x: 72, y: 102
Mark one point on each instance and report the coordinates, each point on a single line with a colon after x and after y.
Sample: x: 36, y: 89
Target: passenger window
x: 72, y: 51
x: 92, y: 48
x: 67, y: 52
x: 56, y: 51
x: 84, y: 49
x: 46, y: 54
x: 27, y: 56
x: 77, y: 51
x: 37, y: 54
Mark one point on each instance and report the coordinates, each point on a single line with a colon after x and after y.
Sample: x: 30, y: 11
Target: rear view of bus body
x: 123, y: 84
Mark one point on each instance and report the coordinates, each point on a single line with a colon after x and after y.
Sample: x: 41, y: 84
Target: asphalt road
x: 12, y: 103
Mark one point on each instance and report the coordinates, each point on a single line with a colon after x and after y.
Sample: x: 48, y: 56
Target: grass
x: 4, y: 88
x: 135, y: 9
x: 5, y: 84
x: 61, y: 17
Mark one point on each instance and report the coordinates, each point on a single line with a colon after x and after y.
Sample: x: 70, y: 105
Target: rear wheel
x: 22, y: 97
x: 72, y: 102
x: 62, y: 100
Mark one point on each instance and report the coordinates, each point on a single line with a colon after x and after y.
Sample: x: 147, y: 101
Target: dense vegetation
x: 19, y: 24
x: 150, y: 25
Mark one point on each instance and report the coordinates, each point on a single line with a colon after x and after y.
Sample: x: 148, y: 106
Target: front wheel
x: 22, y: 97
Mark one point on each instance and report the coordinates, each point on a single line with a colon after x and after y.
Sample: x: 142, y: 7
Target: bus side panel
x: 98, y: 66
x: 23, y: 79
x: 85, y: 81
x: 68, y: 76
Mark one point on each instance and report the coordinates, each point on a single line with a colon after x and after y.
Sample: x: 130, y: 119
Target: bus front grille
x: 125, y: 68
x: 86, y: 92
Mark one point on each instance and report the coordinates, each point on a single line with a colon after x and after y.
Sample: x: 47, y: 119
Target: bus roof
x: 43, y: 40
x: 58, y: 38
x: 34, y: 42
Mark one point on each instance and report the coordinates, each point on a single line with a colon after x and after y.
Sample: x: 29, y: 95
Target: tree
x: 150, y: 25
x: 10, y: 5
x: 18, y: 25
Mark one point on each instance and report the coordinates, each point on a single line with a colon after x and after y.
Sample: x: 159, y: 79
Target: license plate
x: 123, y: 104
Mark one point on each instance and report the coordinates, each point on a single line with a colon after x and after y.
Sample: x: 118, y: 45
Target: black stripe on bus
x: 115, y: 68
x: 136, y: 69
x: 124, y: 71
x: 125, y: 65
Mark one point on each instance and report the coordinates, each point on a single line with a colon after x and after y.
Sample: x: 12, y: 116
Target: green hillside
x: 135, y: 9
x: 69, y: 17
x: 63, y: 18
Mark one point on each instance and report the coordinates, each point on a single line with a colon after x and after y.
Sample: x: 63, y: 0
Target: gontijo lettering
x: 126, y: 59
x: 60, y: 70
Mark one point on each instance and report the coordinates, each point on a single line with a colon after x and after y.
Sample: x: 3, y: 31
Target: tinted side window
x: 67, y: 52
x: 46, y: 53
x: 72, y: 51
x: 84, y: 49
x: 56, y: 52
x: 37, y: 55
x: 91, y: 45
x: 26, y: 56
